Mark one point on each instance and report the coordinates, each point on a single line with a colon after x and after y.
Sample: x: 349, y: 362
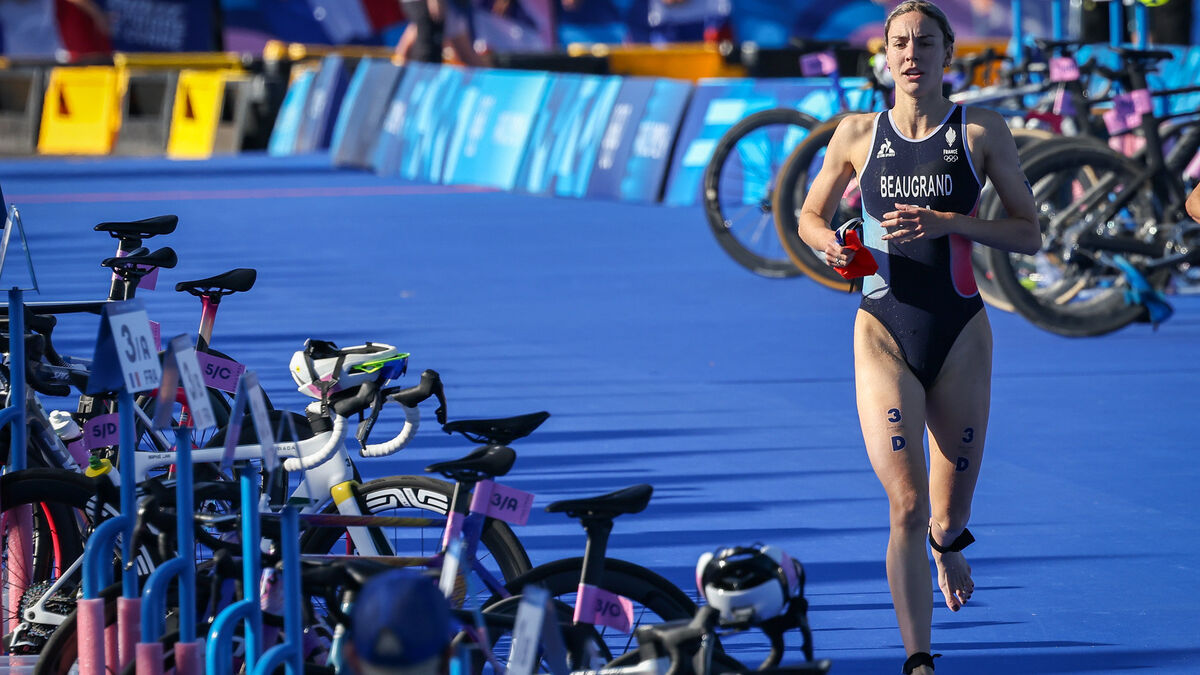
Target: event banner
x: 287, y: 121
x: 718, y: 104
x: 361, y: 115
x: 324, y: 99
x: 567, y: 134
x: 420, y: 121
x: 632, y: 162
x: 493, y: 119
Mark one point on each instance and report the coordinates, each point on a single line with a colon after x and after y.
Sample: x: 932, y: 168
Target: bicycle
x: 366, y: 537
x: 72, y: 504
x: 1114, y: 233
x: 741, y: 180
x: 609, y: 598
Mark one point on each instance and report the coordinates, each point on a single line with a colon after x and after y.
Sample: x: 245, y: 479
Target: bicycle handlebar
x: 412, y: 420
x: 336, y: 437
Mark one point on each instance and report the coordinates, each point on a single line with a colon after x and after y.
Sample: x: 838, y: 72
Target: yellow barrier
x: 81, y: 111
x: 200, y: 109
x: 685, y: 61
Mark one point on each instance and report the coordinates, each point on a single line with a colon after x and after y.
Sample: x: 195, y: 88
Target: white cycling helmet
x: 749, y: 585
x: 321, y: 368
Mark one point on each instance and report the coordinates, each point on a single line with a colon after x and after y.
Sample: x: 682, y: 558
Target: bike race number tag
x: 220, y: 373
x: 1063, y: 69
x: 180, y: 367
x: 249, y: 394
x: 601, y: 608
x: 101, y: 431
x: 501, y: 502
x: 818, y: 64
x: 125, y: 356
x: 531, y: 630
x: 156, y: 331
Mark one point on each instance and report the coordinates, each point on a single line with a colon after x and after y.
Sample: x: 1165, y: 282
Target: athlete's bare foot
x: 954, y: 578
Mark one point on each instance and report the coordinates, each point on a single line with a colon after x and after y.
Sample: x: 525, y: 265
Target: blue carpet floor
x: 661, y: 361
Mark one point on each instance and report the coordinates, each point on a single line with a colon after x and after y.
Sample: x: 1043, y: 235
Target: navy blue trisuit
x: 924, y: 291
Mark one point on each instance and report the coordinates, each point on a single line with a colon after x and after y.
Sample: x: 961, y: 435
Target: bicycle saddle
x: 147, y: 227
x: 164, y: 257
x: 501, y: 431
x: 626, y: 500
x: 486, y: 462
x: 234, y: 281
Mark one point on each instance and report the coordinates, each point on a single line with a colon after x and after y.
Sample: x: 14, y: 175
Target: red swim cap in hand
x: 863, y: 263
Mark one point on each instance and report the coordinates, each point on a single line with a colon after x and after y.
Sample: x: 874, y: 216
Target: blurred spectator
x: 434, y: 26
x: 84, y: 28
x: 400, y: 625
x: 29, y: 28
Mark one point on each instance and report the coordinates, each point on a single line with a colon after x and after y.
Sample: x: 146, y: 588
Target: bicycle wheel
x: 794, y: 180
x: 1028, y: 145
x: 1067, y: 288
x: 58, y: 501
x: 739, y: 182
x: 61, y: 652
x: 499, y: 551
x: 655, y: 600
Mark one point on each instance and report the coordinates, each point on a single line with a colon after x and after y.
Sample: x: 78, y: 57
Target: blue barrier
x: 420, y: 121
x: 718, y: 104
x: 324, y: 99
x: 566, y: 135
x: 636, y: 147
x: 287, y: 121
x: 493, y: 127
x: 360, y: 117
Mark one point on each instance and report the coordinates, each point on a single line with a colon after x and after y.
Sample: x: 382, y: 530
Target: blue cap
x: 400, y: 619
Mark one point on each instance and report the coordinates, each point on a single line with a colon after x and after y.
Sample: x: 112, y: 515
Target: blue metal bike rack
x: 16, y: 390
x: 247, y: 610
x: 183, y: 565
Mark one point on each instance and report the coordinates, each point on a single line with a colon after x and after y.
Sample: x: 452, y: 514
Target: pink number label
x: 101, y: 431
x: 501, y: 502
x: 1063, y: 69
x: 818, y: 64
x: 1115, y: 122
x: 220, y: 373
x: 1142, y: 103
x: 601, y: 608
x: 156, y: 331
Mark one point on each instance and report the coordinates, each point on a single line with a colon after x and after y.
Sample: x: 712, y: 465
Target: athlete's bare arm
x: 1193, y: 204
x: 821, y: 202
x: 991, y: 145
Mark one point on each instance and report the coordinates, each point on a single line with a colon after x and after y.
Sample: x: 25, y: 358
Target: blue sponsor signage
x: 420, y: 121
x: 634, y: 151
x: 719, y: 104
x: 493, y: 119
x: 324, y: 97
x: 287, y: 121
x: 566, y: 135
x: 360, y: 117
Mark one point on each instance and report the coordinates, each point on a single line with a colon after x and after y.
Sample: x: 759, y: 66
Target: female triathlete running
x: 922, y: 342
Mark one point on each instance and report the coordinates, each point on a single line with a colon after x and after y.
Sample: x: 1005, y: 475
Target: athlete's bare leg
x: 957, y: 411
x: 891, y: 411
